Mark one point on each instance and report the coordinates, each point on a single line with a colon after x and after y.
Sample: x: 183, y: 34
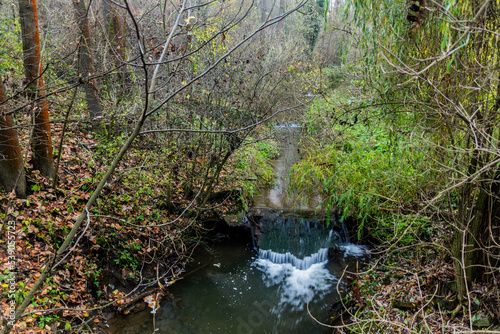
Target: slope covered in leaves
x: 135, y: 241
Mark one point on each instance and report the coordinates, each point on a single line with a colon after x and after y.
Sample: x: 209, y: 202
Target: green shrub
x: 250, y: 166
x: 359, y: 163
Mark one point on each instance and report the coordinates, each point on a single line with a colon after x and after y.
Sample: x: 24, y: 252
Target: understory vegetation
x: 372, y: 167
x: 404, y: 142
x: 133, y: 243
x: 148, y: 143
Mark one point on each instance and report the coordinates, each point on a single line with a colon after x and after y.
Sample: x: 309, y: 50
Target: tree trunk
x: 43, y: 159
x: 12, y: 175
x: 478, y: 206
x: 115, y: 31
x: 465, y: 240
x: 280, y: 24
x: 471, y: 244
x: 262, y: 7
x: 86, y: 64
x: 210, y: 182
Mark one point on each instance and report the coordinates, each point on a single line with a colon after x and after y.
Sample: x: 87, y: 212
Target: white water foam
x: 347, y: 247
x: 295, y: 286
x: 302, y: 264
x: 292, y: 125
x: 353, y: 250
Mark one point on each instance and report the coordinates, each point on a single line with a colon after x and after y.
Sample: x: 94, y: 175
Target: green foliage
x: 93, y: 272
x: 45, y: 319
x: 127, y: 255
x: 109, y: 147
x: 11, y: 49
x: 404, y: 230
x: 333, y: 78
x: 312, y: 22
x: 251, y: 165
x: 358, y: 161
x: 36, y: 187
x: 267, y: 149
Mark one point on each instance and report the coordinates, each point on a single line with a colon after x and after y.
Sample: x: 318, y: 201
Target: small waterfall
x: 301, y: 264
x: 293, y: 254
x: 349, y: 248
x: 294, y: 238
x: 344, y: 238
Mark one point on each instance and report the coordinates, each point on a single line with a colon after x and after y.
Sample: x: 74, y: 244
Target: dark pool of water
x: 234, y: 288
x: 236, y: 292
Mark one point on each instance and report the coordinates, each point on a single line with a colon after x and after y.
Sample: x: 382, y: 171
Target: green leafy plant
x: 357, y: 163
x: 252, y: 167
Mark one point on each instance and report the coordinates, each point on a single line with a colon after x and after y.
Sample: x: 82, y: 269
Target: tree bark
x: 280, y: 24
x: 12, y: 176
x: 43, y: 159
x: 464, y: 244
x: 477, y: 210
x: 86, y: 64
x: 470, y: 245
x: 115, y: 31
x: 262, y: 7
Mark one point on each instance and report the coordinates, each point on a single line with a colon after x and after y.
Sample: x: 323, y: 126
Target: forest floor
x: 131, y: 246
x: 411, y: 290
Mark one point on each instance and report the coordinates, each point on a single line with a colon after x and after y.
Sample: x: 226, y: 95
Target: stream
x: 263, y: 284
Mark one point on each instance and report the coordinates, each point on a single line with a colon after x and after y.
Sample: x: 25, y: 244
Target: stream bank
x: 234, y: 287
x: 263, y: 280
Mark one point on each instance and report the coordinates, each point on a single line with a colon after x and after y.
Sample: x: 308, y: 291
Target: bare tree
x: 115, y: 35
x: 42, y: 157
x: 192, y: 50
x: 86, y: 65
x: 12, y: 176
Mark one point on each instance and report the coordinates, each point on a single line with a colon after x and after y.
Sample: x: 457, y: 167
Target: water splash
x: 289, y: 258
x: 292, y: 258
x: 349, y: 248
x: 296, y: 287
x: 291, y: 125
x: 354, y: 250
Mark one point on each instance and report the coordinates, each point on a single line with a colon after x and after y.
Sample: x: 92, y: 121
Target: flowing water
x: 277, y: 197
x: 272, y: 283
x: 241, y: 290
